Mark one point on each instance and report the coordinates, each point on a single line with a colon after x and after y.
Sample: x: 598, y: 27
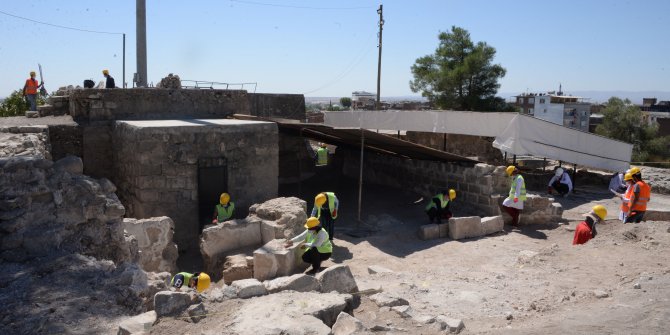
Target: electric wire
x: 59, y: 26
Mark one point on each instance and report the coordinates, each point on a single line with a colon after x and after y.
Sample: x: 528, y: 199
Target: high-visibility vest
x: 443, y: 201
x: 642, y: 198
x: 625, y: 201
x: 31, y: 86
x: 322, y: 156
x: 331, y: 205
x: 324, y: 248
x: 512, y: 190
x: 187, y: 278
x: 224, y: 212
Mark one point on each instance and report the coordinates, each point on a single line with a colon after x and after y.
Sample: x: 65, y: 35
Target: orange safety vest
x: 625, y: 202
x: 643, y: 196
x: 31, y: 86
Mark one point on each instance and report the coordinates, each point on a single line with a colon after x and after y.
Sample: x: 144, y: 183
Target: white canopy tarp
x: 515, y: 134
x: 527, y: 135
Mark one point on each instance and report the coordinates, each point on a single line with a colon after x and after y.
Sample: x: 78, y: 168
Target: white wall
x: 548, y: 111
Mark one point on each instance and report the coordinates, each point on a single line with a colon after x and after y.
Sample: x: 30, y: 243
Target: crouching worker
x: 438, y: 207
x: 199, y: 280
x: 316, y: 244
x: 586, y: 230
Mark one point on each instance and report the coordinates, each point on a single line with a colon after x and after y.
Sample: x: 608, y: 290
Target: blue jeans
x: 32, y: 100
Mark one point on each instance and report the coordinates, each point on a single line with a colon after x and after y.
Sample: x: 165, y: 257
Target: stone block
x: 297, y: 282
x: 236, y: 267
x: 158, y: 252
x: 347, y: 325
x: 71, y: 164
x: 218, y: 239
x: 273, y: 259
x: 404, y: 311
x: 387, y: 300
x: 429, y: 232
x: 492, y: 224
x: 484, y: 169
x: 32, y: 114
x: 374, y: 269
x: 465, y: 227
x: 270, y: 230
x: 138, y: 324
x: 168, y: 303
x: 247, y: 288
x: 444, y: 229
x: 197, y: 312
x: 337, y: 278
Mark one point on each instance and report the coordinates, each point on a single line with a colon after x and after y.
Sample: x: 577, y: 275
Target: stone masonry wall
x: 66, y: 140
x: 285, y: 106
x: 464, y: 145
x: 163, y: 179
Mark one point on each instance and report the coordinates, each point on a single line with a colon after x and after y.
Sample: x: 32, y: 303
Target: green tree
x: 460, y: 74
x: 345, y: 102
x: 623, y: 121
x: 15, y: 104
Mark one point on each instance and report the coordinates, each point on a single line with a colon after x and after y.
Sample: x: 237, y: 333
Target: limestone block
x: 218, y: 239
x: 346, y: 324
x: 449, y: 324
x: 557, y: 209
x: 404, y: 311
x: 272, y: 260
x: 337, y: 278
x: 444, y: 229
x: 32, y: 114
x: 492, y: 224
x: 171, y: 303
x: 429, y: 232
x: 197, y: 312
x: 483, y: 169
x: 236, y: 267
x: 288, y: 213
x: 158, y: 252
x: 385, y: 299
x: 297, y: 282
x: 247, y: 288
x: 71, y: 164
x: 137, y: 324
x: 374, y: 269
x: 464, y: 227
x: 270, y: 230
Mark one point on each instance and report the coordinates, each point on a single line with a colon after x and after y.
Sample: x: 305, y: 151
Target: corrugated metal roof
x: 375, y: 142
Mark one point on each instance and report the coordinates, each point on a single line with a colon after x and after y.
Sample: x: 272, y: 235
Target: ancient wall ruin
x: 157, y: 167
x: 463, y: 145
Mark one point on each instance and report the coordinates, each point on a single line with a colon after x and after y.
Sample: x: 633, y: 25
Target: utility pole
x: 141, y: 32
x: 380, y: 11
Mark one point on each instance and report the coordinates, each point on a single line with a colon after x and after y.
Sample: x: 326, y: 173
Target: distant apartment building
x: 363, y: 100
x: 657, y: 112
x: 566, y: 110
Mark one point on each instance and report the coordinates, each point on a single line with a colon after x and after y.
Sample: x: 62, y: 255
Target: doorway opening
x: 212, y: 181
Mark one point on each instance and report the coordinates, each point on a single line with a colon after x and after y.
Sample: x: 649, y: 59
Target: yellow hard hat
x: 600, y: 211
x: 452, y: 194
x: 224, y: 198
x: 105, y: 72
x: 312, y: 222
x: 320, y: 199
x: 32, y: 73
x: 627, y: 176
x: 203, y: 282
x: 510, y: 169
x: 323, y: 145
x: 634, y: 170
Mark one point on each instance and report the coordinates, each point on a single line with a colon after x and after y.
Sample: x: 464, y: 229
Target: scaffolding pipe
x: 360, y: 176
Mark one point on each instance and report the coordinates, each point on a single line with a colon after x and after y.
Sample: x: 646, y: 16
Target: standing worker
x: 30, y: 90
x: 438, y: 207
x: 513, y: 204
x: 586, y: 230
x: 639, y: 195
x: 316, y: 244
x: 110, y: 81
x: 625, y: 201
x: 322, y: 155
x: 560, y: 182
x: 199, y: 280
x: 224, y: 210
x: 326, y: 213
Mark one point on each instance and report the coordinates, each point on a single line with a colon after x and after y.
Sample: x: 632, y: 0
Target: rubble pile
x: 171, y: 82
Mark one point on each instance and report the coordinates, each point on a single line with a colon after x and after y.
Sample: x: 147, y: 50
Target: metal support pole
x: 445, y: 142
x: 574, y: 177
x: 514, y: 160
x: 544, y: 164
x: 124, y: 61
x: 505, y: 157
x: 360, y: 177
x: 141, y: 31
x: 380, y: 11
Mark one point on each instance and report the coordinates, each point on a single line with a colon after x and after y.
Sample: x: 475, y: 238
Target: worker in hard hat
x: 560, y: 182
x: 438, y: 206
x: 325, y: 209
x: 322, y: 155
x: 513, y: 204
x: 199, y: 280
x: 317, y: 245
x: 586, y: 230
x: 110, y: 81
x: 625, y: 200
x: 30, y: 91
x: 639, y: 195
x: 224, y: 210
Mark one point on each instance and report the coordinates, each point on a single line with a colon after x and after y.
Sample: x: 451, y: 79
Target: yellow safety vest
x: 512, y: 190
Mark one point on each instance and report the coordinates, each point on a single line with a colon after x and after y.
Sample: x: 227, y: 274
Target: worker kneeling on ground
x: 199, y: 280
x: 224, y: 210
x: 325, y: 209
x: 586, y: 230
x: 639, y: 194
x: 560, y: 182
x: 316, y: 245
x: 438, y: 207
x: 513, y: 204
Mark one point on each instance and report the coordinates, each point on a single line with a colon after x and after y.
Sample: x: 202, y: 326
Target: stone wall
x: 463, y: 145
x: 285, y: 106
x: 66, y: 140
x: 296, y: 159
x: 25, y: 141
x: 157, y: 167
x: 157, y: 252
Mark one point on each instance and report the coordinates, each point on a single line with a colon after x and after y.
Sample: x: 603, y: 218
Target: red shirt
x: 582, y: 233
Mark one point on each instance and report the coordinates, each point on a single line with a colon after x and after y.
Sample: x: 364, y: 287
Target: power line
x: 299, y: 7
x: 59, y: 26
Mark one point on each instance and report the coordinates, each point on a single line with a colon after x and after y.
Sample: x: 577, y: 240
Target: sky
x: 329, y: 48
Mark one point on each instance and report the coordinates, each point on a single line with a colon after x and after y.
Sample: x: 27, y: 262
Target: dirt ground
x: 522, y: 281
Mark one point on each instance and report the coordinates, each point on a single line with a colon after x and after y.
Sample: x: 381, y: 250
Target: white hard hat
x: 559, y: 172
